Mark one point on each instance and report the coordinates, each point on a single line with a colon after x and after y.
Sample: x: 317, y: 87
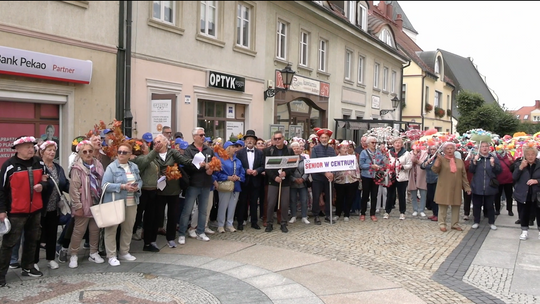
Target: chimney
x: 537, y: 104
x: 382, y: 7
x: 390, y: 11
x: 399, y: 21
x: 370, y: 5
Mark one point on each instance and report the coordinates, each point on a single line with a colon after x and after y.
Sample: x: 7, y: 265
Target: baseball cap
x: 240, y: 142
x: 147, y: 137
x: 5, y: 226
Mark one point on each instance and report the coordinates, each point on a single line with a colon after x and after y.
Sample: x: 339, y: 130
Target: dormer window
x: 386, y: 37
x: 439, y: 66
x: 361, y: 17
x: 525, y: 117
x: 517, y: 116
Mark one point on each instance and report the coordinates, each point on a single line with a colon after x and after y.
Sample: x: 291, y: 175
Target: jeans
x: 200, y: 194
x: 414, y: 198
x: 227, y: 206
x: 485, y: 201
x: 302, y: 196
x: 429, y: 198
x: 16, y: 249
x: 401, y: 188
x: 357, y: 199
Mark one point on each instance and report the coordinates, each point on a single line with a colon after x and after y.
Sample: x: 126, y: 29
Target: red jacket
x: 505, y: 177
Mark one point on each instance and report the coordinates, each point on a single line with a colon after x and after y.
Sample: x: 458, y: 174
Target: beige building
x: 57, y: 73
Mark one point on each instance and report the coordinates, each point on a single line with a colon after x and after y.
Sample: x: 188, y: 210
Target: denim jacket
x: 115, y: 175
x: 366, y: 161
x: 431, y: 177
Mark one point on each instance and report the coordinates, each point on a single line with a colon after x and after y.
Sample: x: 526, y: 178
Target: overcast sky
x: 501, y: 36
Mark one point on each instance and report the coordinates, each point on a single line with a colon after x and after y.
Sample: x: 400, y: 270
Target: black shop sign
x: 225, y: 81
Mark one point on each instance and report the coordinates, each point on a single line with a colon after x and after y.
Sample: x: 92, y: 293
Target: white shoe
x: 231, y: 228
x: 192, y: 234
x: 402, y: 216
x: 346, y: 219
x: 172, y: 244
x: 474, y: 226
x: 386, y: 216
x: 182, y: 240
x: 414, y: 214
x: 73, y: 261
x: 114, y: 261
x: 524, y: 235
x: 96, y: 258
x: 203, y: 237
x: 422, y: 214
x: 377, y: 210
x: 493, y: 227
x: 209, y: 231
x: 305, y: 220
x: 292, y: 220
x: 220, y: 230
x: 127, y: 257
x: 335, y: 218
x: 53, y: 264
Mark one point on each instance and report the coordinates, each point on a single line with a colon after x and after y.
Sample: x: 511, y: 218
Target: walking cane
x: 279, y: 192
x: 331, y: 199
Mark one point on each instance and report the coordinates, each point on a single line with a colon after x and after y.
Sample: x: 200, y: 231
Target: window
x: 448, y: 106
x: 535, y: 118
x: 209, y: 18
x: 281, y: 40
x: 385, y: 79
x: 438, y: 99
x: 163, y: 11
x: 361, y: 17
x: 517, y: 116
x: 350, y: 11
x: 243, y: 26
x: 360, y: 69
x: 526, y: 117
x: 322, y: 55
x: 437, y: 66
x: 304, y: 47
x: 348, y: 64
x: 386, y: 37
x: 403, y: 93
x: 376, y: 76
x: 427, y: 94
x: 394, y: 79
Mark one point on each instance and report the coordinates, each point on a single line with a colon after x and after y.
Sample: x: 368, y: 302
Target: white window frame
x: 437, y: 99
x: 241, y: 23
x: 526, y: 117
x: 404, y: 93
x: 361, y: 17
x: 437, y: 66
x: 448, y: 105
x: 208, y: 5
x: 517, y: 116
x: 376, y: 71
x: 361, y: 63
x: 162, y: 12
x: 350, y: 11
x: 281, y: 40
x: 393, y: 82
x: 323, y: 55
x: 348, y: 64
x: 386, y: 37
x: 304, y: 45
x: 385, y: 79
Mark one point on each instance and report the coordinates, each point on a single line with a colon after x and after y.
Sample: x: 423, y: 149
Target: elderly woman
x: 51, y: 199
x: 298, y: 189
x: 527, y: 178
x: 85, y: 191
x: 431, y: 182
x: 231, y: 170
x: 346, y: 184
x: 371, y: 161
x: 399, y: 162
x: 417, y: 182
x: 452, y: 179
x: 485, y: 168
x: 122, y: 179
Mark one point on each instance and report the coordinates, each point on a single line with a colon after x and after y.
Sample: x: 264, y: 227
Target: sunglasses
x: 87, y: 152
x: 120, y: 152
x: 201, y: 135
x: 278, y: 138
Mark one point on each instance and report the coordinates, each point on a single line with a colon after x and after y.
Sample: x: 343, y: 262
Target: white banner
x: 160, y: 115
x: 330, y: 164
x: 44, y: 66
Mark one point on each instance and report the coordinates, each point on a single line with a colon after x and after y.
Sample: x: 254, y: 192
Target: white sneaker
x: 182, y: 240
x: 73, y: 261
x: 474, y: 226
x: 209, y: 231
x: 414, y: 214
x: 386, y: 216
x: 422, y: 214
x: 231, y: 229
x: 493, y: 227
x: 377, y: 211
x: 53, y: 264
x: 192, y: 234
x: 127, y: 257
x: 292, y: 220
x: 96, y: 258
x: 305, y: 220
x: 402, y: 216
x: 203, y: 237
x: 114, y: 261
x: 346, y: 219
x: 524, y: 235
x: 335, y: 218
x: 172, y: 244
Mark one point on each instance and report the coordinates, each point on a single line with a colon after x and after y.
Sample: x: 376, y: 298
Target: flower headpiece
x: 23, y: 140
x: 47, y: 143
x: 82, y: 144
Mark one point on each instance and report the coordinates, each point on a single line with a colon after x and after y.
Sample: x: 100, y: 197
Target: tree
x: 468, y: 103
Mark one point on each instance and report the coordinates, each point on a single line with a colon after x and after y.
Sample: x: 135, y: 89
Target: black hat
x: 178, y: 134
x: 250, y: 133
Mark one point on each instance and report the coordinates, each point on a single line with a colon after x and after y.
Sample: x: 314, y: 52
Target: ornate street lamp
x: 287, y: 74
x: 395, y: 105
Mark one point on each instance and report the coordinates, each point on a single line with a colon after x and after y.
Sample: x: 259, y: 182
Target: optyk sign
x: 225, y: 81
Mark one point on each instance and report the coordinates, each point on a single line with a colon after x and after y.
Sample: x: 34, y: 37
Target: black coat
x: 271, y: 174
x: 258, y: 165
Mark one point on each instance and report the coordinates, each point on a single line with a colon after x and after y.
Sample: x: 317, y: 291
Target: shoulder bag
x: 63, y: 205
x: 227, y: 186
x: 109, y: 214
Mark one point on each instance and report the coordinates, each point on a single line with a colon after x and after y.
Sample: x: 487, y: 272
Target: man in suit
x: 253, y: 162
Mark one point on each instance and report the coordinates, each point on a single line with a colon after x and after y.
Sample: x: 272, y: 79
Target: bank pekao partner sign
x: 44, y: 66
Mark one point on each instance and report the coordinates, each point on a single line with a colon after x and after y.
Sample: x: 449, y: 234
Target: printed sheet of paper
x: 197, y: 159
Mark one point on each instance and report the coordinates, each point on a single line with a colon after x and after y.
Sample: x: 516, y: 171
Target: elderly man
x: 23, y: 204
x: 167, y: 132
x: 200, y: 182
x: 322, y: 181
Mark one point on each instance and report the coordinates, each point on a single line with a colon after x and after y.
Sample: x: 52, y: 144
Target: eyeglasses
x: 201, y: 135
x: 87, y: 152
x: 120, y: 152
x: 167, y: 132
x: 278, y: 138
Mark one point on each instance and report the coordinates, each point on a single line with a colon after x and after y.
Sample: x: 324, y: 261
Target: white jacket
x: 403, y: 164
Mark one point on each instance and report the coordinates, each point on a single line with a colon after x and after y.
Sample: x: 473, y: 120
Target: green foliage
x: 468, y: 102
x: 529, y: 127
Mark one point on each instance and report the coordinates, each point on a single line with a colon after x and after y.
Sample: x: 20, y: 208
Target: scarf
x: 452, y: 160
x: 95, y: 183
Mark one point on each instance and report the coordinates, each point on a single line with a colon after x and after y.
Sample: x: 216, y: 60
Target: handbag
x: 63, y: 204
x: 494, y: 183
x: 227, y: 186
x: 109, y: 214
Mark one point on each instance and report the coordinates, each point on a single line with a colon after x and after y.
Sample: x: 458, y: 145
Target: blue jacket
x: 115, y: 175
x: 227, y: 167
x: 365, y: 163
x: 483, y: 173
x: 321, y: 151
x: 431, y: 177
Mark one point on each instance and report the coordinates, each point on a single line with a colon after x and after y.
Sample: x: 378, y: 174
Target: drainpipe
x: 120, y: 66
x: 128, y: 117
x: 401, y: 90
x: 423, y: 101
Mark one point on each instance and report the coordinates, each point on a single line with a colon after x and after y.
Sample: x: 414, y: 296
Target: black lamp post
x: 287, y: 74
x: 395, y: 105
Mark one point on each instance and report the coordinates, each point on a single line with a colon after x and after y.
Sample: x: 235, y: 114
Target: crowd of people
x: 172, y: 187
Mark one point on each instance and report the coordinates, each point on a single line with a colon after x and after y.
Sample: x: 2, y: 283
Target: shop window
x: 220, y: 119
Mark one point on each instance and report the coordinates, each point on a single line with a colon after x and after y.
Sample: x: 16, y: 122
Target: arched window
x: 387, y: 37
x: 438, y: 64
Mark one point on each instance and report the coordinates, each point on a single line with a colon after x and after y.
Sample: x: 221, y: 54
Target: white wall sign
x: 234, y: 128
x: 45, y: 66
x: 187, y: 99
x: 306, y: 85
x: 160, y: 115
x: 230, y: 110
x: 375, y: 102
